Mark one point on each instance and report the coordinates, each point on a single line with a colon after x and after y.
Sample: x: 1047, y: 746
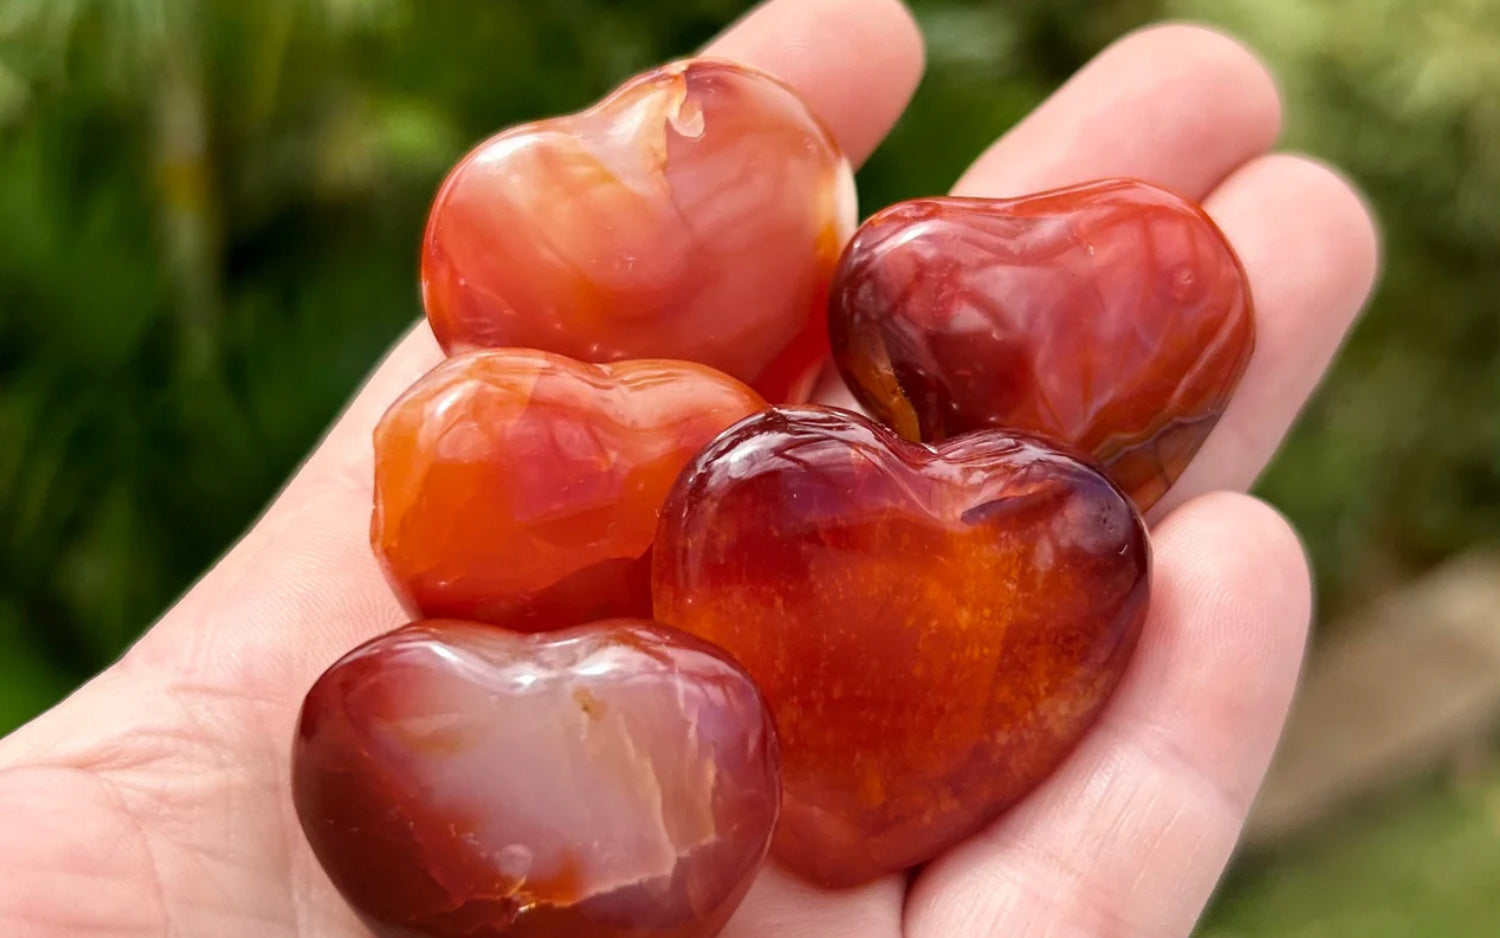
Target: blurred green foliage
x: 1397, y: 463
x: 1422, y: 864
x: 209, y: 214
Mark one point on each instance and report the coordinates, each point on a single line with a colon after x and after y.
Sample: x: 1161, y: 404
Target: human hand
x: 155, y: 800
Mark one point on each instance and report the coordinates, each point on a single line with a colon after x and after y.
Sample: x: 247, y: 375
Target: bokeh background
x: 209, y: 214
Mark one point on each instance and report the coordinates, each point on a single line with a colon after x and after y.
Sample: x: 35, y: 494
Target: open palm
x: 154, y: 801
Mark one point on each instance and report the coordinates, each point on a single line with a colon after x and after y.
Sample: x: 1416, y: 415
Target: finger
x: 783, y: 906
x: 1130, y: 835
x: 1310, y: 247
x: 1180, y: 106
x: 855, y: 62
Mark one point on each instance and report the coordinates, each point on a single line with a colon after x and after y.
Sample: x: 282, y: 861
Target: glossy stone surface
x: 696, y: 213
x: 617, y: 780
x: 521, y: 488
x: 1113, y: 316
x: 933, y: 628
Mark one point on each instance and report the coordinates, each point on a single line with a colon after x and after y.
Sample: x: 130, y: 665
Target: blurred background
x: 209, y: 216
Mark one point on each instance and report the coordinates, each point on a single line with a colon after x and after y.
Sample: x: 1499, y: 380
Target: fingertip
x: 1318, y: 195
x: 1235, y: 560
x: 1222, y: 62
x: 1310, y: 245
x: 855, y: 62
x: 1179, y: 105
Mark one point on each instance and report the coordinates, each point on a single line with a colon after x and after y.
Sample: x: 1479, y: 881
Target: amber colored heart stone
x: 1114, y: 317
x: 521, y: 488
x: 617, y: 780
x: 696, y: 213
x: 933, y: 627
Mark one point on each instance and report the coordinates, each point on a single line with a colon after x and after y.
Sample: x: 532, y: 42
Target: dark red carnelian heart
x: 617, y: 780
x: 932, y: 628
x: 521, y: 488
x: 1114, y: 317
x: 696, y: 213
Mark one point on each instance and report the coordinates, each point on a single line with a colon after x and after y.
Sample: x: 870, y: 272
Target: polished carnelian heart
x: 1113, y: 317
x: 696, y: 213
x: 617, y: 780
x: 521, y: 488
x: 933, y: 628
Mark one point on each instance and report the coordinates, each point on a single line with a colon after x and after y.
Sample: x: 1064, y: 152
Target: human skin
x: 154, y: 800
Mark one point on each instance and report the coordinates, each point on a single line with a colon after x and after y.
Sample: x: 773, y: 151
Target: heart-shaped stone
x: 521, y: 488
x: 696, y: 213
x: 616, y: 780
x: 1114, y: 317
x: 933, y: 628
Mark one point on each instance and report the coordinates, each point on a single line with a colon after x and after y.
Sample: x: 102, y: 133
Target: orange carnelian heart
x: 696, y: 213
x: 616, y: 780
x: 521, y: 488
x: 932, y: 628
x: 1114, y: 317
